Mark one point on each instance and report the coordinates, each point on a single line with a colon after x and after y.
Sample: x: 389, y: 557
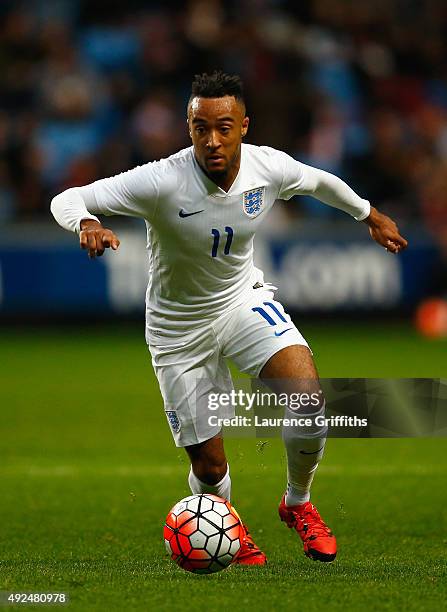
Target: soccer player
x: 206, y: 301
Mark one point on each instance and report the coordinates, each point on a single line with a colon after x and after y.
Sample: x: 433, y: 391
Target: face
x: 216, y: 127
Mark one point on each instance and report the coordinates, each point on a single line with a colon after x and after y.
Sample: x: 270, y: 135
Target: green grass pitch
x: 88, y: 472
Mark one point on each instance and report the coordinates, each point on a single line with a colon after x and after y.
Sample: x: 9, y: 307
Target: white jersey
x: 200, y: 238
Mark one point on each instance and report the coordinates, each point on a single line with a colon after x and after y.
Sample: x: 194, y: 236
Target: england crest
x: 174, y: 421
x: 253, y: 201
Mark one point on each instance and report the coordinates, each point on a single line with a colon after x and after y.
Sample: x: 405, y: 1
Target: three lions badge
x: 174, y: 421
x: 253, y: 201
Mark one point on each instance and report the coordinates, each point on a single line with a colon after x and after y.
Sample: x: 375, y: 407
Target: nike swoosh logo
x: 283, y: 332
x: 184, y: 214
x: 313, y: 453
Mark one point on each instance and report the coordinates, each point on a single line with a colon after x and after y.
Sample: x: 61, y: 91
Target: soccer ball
x: 203, y: 533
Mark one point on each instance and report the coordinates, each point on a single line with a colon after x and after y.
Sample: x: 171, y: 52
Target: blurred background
x: 89, y: 89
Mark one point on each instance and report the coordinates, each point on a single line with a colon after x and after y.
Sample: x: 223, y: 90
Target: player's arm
x: 133, y: 193
x: 335, y: 192
x: 73, y: 209
x: 306, y: 180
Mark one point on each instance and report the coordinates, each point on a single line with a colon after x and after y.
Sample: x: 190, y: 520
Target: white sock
x: 301, y: 467
x: 304, y: 448
x: 221, y: 489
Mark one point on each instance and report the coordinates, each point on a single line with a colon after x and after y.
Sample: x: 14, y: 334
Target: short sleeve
x: 293, y: 176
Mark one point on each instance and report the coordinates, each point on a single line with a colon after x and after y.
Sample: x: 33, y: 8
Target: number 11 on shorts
x: 270, y: 320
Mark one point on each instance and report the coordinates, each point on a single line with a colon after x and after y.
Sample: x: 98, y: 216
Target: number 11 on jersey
x: 216, y: 240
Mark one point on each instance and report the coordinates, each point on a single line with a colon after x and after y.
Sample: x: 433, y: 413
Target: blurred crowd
x: 91, y: 88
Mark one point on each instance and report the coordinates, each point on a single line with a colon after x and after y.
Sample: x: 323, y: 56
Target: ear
x: 245, y: 123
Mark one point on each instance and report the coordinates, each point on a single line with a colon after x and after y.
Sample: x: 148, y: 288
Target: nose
x: 213, y: 141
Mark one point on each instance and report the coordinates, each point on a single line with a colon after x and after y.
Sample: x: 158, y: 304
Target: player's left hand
x: 385, y: 232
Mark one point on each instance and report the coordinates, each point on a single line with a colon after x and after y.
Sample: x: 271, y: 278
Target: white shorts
x: 192, y: 364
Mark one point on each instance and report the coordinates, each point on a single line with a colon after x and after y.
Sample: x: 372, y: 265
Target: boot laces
x: 311, y: 524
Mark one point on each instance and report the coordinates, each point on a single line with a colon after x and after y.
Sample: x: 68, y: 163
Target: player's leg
x: 209, y: 471
x: 292, y: 371
x: 189, y: 369
x: 261, y: 338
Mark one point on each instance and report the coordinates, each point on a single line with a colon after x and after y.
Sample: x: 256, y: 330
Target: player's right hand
x: 95, y: 238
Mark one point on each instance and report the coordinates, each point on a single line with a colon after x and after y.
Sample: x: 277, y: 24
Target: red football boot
x: 249, y: 553
x: 319, y: 542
